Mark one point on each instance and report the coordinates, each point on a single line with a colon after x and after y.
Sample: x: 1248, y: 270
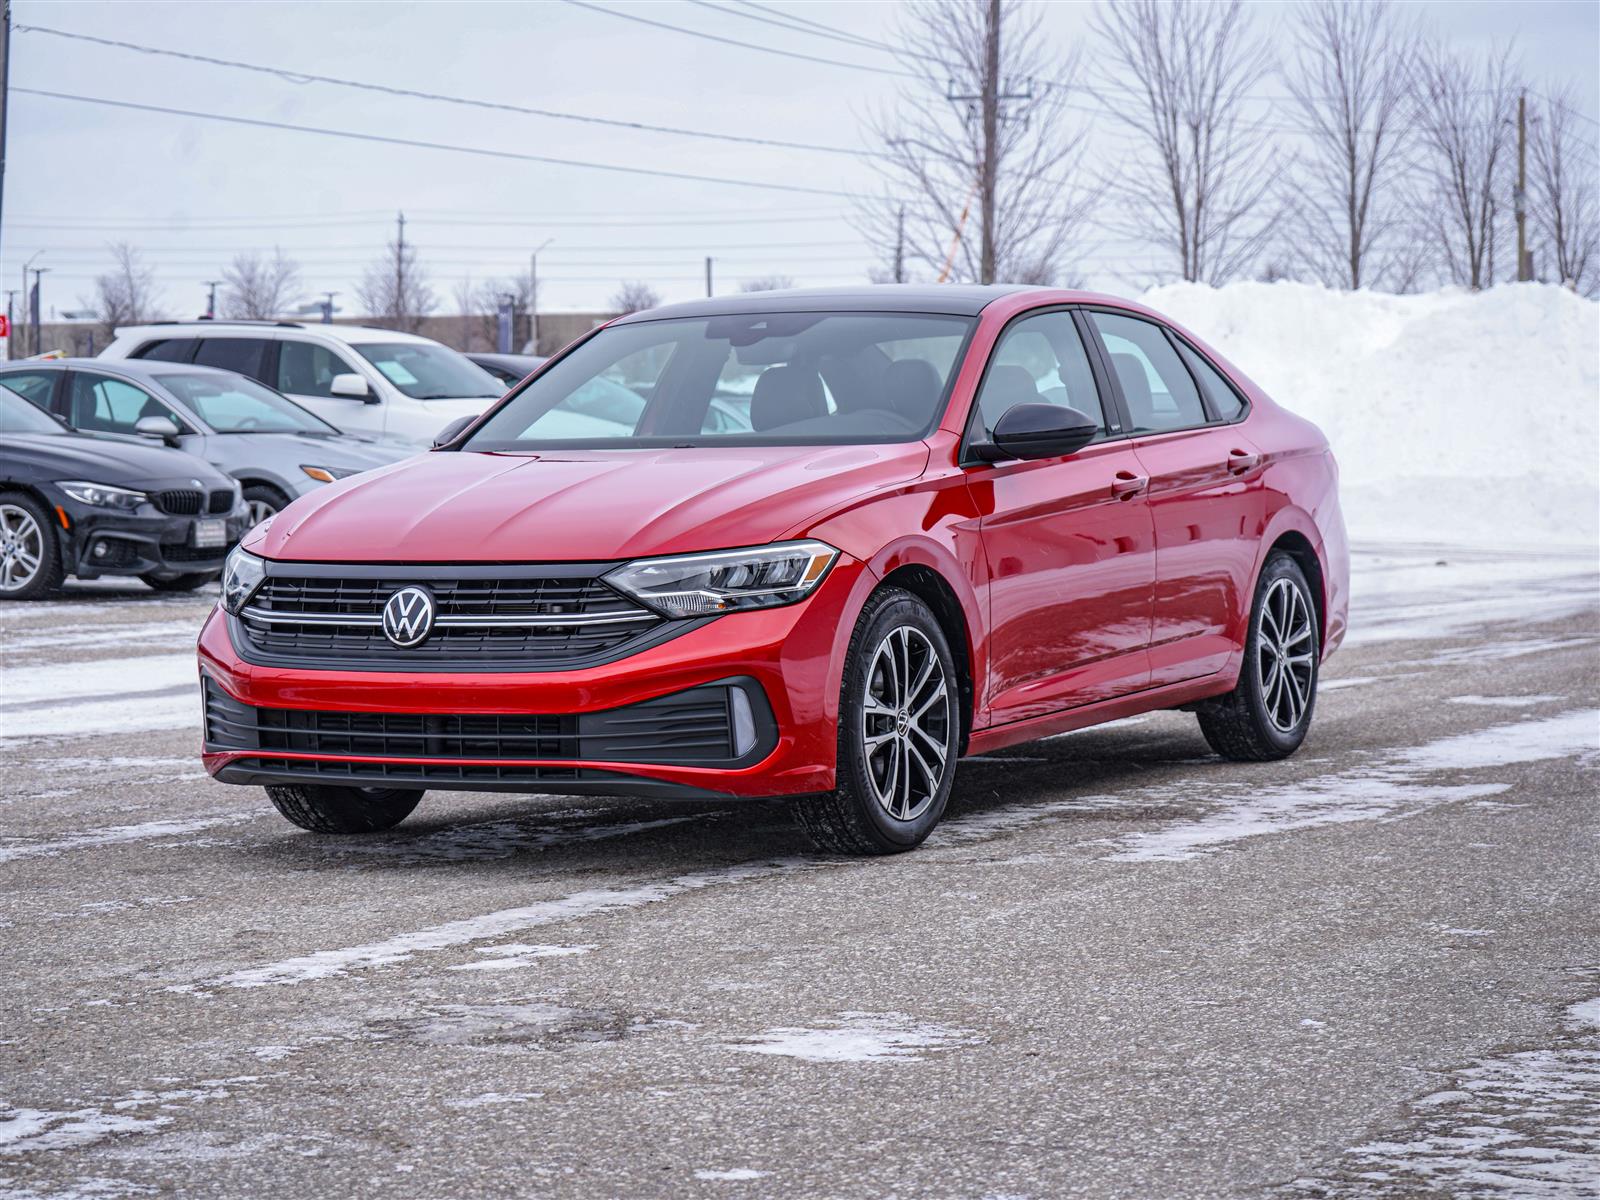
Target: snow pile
x: 1456, y: 416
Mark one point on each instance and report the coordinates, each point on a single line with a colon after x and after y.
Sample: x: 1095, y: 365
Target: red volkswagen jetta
x: 813, y: 544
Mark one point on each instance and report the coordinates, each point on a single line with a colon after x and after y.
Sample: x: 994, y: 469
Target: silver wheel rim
x: 260, y: 510
x: 1285, y: 647
x: 905, y: 723
x: 21, y: 548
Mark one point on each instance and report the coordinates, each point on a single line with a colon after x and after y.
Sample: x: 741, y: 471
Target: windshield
x: 426, y: 371
x: 749, y: 379
x: 18, y: 416
x: 233, y: 404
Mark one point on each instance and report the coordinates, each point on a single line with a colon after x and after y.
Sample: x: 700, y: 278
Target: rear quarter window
x: 1225, y: 399
x: 167, y: 350
x: 244, y: 355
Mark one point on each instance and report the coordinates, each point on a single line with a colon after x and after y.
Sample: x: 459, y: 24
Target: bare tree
x: 480, y: 307
x: 395, y: 288
x: 767, y: 283
x: 126, y: 294
x: 1177, y: 76
x: 633, y: 296
x: 258, y: 287
x: 1352, y: 82
x: 980, y: 151
x: 883, y: 224
x: 1563, y: 186
x: 1463, y: 112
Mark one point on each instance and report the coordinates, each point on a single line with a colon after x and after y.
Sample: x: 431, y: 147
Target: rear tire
x: 323, y: 808
x: 899, y: 732
x: 1268, y: 713
x: 180, y: 583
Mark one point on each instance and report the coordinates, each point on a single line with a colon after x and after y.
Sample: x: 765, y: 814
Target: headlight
x: 695, y: 585
x: 101, y: 496
x: 241, y: 576
x: 328, y: 474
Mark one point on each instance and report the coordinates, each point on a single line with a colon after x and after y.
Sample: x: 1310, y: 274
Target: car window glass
x: 33, y: 386
x: 1040, y: 360
x: 230, y: 403
x: 429, y: 371
x: 243, y: 355
x: 307, y: 369
x: 1157, y: 386
x: 166, y: 350
x: 102, y: 404
x: 18, y: 416
x: 747, y: 378
x: 1225, y: 401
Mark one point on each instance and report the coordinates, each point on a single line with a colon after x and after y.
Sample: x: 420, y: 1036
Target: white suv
x: 397, y: 386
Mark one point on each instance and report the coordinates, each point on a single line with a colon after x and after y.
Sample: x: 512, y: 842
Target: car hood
x: 70, y: 456
x: 583, y: 506
x: 315, y: 450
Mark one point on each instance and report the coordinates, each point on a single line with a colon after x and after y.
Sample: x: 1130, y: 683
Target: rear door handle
x: 1240, y: 461
x: 1128, y: 484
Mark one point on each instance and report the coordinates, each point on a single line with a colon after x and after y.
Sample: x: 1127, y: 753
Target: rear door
x: 1069, y: 541
x: 1205, y: 496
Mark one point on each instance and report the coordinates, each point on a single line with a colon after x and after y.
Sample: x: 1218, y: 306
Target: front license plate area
x: 210, y: 534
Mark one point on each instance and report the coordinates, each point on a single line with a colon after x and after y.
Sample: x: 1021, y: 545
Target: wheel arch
x: 929, y: 586
x: 1299, y: 547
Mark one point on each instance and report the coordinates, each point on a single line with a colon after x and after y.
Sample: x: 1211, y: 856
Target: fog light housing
x: 744, y: 722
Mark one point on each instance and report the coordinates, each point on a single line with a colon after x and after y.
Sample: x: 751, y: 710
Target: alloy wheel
x: 1284, y: 654
x: 260, y: 510
x: 905, y: 723
x: 21, y: 548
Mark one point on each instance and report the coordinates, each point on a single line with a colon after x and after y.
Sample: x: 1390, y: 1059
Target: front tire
x: 323, y: 808
x: 263, y: 500
x: 1268, y: 713
x: 30, y: 555
x: 899, y: 733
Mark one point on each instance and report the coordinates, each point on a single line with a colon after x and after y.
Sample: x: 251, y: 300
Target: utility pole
x: 11, y: 324
x: 1524, y: 267
x: 5, y: 88
x: 985, y: 106
x: 327, y: 307
x: 400, y: 269
x: 211, y: 297
x: 533, y: 294
x: 900, y: 245
x: 708, y: 277
x: 38, y: 337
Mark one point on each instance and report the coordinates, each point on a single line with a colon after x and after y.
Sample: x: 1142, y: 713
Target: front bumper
x: 790, y: 661
x: 98, y: 541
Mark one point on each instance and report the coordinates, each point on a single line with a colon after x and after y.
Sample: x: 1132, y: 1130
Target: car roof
x: 352, y: 334
x: 142, y: 367
x: 952, y: 299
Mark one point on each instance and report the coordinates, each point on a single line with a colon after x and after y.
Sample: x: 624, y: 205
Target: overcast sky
x: 191, y: 192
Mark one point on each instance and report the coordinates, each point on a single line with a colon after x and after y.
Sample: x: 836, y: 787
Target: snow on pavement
x: 857, y: 1037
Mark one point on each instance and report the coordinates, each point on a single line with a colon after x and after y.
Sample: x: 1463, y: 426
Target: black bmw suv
x: 76, y: 505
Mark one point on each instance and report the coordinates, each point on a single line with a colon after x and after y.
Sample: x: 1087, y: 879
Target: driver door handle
x: 1127, y: 484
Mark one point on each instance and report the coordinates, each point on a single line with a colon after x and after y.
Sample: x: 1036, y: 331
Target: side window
x: 167, y: 350
x: 1040, y: 360
x: 1225, y: 400
x: 36, y: 387
x: 100, y: 403
x: 307, y: 369
x: 1160, y: 392
x: 243, y: 355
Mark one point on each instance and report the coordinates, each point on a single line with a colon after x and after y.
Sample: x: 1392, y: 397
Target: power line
x: 301, y: 77
x: 396, y: 141
x: 726, y: 41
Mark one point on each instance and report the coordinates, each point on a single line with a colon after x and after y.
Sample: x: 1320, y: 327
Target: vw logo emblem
x: 408, y: 616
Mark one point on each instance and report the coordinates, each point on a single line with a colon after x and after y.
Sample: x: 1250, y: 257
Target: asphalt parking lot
x: 1122, y: 968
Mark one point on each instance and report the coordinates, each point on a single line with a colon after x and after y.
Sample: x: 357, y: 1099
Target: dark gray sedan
x: 276, y: 449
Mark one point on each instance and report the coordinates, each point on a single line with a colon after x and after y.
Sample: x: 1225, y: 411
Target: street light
x: 25, y: 300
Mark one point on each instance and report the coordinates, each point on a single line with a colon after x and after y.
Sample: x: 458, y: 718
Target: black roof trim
x: 957, y: 300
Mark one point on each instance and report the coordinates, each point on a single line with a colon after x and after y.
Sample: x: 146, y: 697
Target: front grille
x: 483, y: 621
x: 221, y: 502
x: 689, y: 727
x: 179, y: 502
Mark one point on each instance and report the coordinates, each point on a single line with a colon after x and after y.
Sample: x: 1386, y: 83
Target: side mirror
x: 1038, y: 431
x: 452, y: 431
x: 164, y: 428
x: 352, y: 386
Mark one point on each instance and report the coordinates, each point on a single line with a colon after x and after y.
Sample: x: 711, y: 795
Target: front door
x: 1205, y: 498
x: 1069, y: 541
x: 305, y: 374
